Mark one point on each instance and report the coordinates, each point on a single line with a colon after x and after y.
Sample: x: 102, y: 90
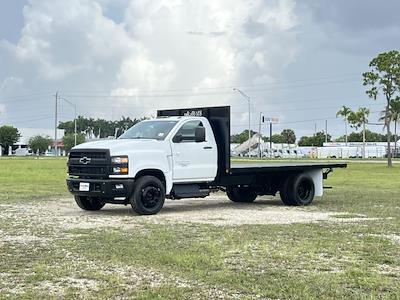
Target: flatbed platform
x: 238, y: 168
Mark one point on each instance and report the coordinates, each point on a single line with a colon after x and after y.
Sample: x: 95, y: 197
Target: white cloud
x: 216, y: 43
x: 11, y: 84
x: 159, y: 45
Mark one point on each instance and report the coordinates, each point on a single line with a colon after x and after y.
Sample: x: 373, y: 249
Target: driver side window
x: 188, y: 130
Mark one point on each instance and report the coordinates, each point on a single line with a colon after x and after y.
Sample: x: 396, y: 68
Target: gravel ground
x: 215, y: 210
x: 44, y: 222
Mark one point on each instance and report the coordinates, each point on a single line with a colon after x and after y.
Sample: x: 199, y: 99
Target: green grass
x: 325, y: 260
x: 32, y: 178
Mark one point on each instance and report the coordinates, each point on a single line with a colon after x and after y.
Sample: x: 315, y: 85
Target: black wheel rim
x: 304, y: 190
x: 151, y: 196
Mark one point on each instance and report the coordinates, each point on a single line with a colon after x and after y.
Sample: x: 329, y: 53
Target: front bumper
x: 102, y: 188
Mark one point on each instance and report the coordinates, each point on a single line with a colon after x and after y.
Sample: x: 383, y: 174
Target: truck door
x: 193, y: 161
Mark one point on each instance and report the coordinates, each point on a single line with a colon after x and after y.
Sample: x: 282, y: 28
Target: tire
x: 148, y: 195
x: 298, y: 190
x: 89, y: 203
x: 283, y: 192
x: 241, y: 194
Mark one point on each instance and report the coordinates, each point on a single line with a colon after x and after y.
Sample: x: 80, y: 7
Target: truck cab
x: 182, y: 153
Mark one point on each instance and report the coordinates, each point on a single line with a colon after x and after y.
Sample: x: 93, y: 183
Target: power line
x: 327, y: 80
x: 23, y: 98
x: 23, y: 119
x: 241, y: 85
x: 276, y: 101
x: 32, y: 120
x: 194, y: 94
x: 314, y: 108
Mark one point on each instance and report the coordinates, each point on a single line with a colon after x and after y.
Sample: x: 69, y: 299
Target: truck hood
x: 122, y: 146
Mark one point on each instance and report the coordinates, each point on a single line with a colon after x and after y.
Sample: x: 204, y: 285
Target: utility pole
x: 315, y: 134
x: 270, y: 134
x: 248, y: 100
x: 363, y: 154
x: 75, y: 127
x: 74, y: 106
x: 55, y: 127
x: 259, y: 135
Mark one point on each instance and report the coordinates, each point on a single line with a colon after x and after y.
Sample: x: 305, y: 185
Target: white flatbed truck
x: 183, y: 153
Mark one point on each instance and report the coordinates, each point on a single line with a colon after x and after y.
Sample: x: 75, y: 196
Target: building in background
x: 21, y: 148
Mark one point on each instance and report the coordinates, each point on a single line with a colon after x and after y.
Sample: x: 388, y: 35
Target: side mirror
x: 177, y: 138
x: 200, y: 134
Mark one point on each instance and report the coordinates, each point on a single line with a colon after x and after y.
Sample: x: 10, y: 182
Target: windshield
x: 157, y: 130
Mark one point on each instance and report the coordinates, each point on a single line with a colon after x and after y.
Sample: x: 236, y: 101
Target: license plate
x: 84, y: 186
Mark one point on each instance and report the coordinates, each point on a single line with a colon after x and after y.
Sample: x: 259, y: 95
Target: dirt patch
x: 217, y: 210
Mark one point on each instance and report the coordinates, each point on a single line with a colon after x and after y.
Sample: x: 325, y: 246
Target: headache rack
x: 220, y: 121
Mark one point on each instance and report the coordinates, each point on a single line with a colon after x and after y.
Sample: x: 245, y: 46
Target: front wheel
x: 148, y: 195
x: 89, y: 203
x: 241, y: 194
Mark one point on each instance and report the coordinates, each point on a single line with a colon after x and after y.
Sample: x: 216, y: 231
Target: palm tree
x: 358, y: 119
x: 345, y: 113
x: 394, y: 116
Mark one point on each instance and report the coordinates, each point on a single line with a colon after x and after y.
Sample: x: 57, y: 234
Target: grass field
x: 32, y: 178
x: 355, y: 257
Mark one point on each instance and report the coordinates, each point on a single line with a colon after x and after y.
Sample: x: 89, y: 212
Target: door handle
x: 207, y: 147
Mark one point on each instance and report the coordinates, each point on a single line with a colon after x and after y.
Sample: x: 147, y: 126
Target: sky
x: 298, y: 61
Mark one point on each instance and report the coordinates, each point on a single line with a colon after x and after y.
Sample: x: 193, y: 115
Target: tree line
x: 287, y: 136
x: 98, y: 128
x: 87, y: 128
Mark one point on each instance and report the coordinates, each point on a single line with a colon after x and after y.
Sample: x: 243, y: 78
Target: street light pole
x: 55, y: 128
x: 74, y: 106
x: 248, y: 100
x: 326, y: 131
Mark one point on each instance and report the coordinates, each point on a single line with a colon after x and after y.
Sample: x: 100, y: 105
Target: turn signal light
x: 120, y: 170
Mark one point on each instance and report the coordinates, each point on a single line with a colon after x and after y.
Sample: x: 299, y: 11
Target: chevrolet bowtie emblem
x: 85, y: 160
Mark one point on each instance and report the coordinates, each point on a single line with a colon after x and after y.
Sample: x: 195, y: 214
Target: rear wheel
x: 298, y: 190
x: 241, y: 194
x: 89, y: 203
x: 148, y: 195
x: 283, y: 192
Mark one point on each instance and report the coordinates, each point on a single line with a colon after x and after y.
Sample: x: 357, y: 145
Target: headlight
x: 119, y: 165
x: 119, y: 160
